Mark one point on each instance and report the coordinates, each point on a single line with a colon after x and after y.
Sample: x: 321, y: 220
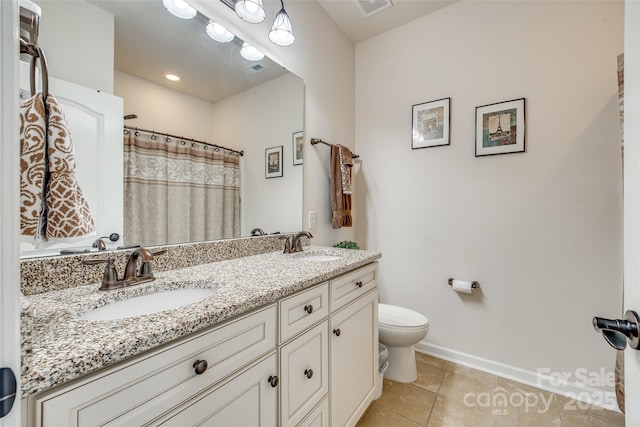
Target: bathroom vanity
x: 285, y: 339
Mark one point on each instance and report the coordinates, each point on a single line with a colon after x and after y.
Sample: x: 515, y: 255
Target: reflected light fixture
x: 179, y: 8
x: 250, y: 53
x: 218, y: 32
x: 250, y: 10
x: 281, y: 32
x: 172, y: 77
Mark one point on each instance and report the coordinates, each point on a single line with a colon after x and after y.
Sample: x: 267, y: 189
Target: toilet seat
x: 392, y: 316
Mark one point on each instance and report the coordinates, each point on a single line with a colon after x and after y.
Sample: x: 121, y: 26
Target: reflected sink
x: 148, y: 304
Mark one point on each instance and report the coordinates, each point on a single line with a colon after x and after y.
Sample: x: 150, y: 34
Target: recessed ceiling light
x: 172, y: 77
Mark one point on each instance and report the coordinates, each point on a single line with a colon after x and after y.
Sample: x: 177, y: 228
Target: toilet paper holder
x: 474, y: 284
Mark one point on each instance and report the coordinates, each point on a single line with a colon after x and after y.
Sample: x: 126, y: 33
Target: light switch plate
x: 312, y: 219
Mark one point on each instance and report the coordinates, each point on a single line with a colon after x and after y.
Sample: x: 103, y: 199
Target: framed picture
x: 273, y: 162
x: 431, y: 123
x: 500, y: 128
x: 298, y: 145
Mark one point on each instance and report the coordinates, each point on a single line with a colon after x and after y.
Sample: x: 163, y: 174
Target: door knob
x: 617, y: 332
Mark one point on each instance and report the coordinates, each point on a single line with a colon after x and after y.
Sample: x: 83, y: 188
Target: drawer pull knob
x: 359, y: 283
x: 308, y: 309
x: 308, y: 373
x: 200, y: 366
x: 273, y: 380
x: 337, y: 332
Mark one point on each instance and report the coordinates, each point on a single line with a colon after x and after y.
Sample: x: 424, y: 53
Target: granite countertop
x: 64, y: 347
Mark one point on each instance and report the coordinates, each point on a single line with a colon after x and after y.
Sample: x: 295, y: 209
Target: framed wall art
x: 273, y: 162
x: 500, y: 128
x: 298, y: 145
x: 431, y: 123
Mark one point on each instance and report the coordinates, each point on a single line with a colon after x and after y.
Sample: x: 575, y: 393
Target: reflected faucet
x: 258, y: 232
x: 296, y: 245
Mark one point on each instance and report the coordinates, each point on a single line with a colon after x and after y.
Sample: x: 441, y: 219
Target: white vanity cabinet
x: 354, y: 345
x: 310, y: 360
x: 139, y: 391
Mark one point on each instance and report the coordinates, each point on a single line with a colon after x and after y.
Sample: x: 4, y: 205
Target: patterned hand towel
x: 60, y: 213
x: 341, y: 163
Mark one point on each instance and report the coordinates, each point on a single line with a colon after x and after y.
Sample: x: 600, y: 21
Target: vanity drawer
x: 302, y: 310
x: 148, y: 385
x: 353, y: 285
x: 304, y: 368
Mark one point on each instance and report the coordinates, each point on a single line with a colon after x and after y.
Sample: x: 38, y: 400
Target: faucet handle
x: 145, y: 266
x: 287, y: 244
x: 110, y: 276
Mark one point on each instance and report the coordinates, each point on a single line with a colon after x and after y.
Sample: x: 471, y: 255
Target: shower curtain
x: 178, y: 191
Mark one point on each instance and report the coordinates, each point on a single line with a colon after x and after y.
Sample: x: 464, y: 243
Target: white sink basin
x: 320, y: 258
x: 148, y: 304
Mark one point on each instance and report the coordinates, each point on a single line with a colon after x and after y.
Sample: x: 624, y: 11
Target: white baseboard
x: 579, y: 392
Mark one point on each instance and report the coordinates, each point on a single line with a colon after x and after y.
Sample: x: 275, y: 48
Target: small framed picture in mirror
x: 273, y: 162
x: 298, y: 145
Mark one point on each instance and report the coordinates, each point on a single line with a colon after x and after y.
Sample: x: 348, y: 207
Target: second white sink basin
x: 320, y: 258
x: 148, y: 304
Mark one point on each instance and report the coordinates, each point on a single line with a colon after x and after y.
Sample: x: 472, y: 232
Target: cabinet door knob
x: 359, y: 283
x: 200, y: 366
x: 273, y: 380
x: 308, y: 309
x: 337, y: 332
x: 308, y: 373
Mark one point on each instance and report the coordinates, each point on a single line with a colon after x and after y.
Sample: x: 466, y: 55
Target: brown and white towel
x: 341, y: 165
x: 52, y: 206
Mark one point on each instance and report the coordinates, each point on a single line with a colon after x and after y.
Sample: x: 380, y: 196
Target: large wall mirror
x: 221, y: 98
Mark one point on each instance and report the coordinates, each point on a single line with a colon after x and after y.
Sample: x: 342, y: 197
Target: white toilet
x: 399, y: 329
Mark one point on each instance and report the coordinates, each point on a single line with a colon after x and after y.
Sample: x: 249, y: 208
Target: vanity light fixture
x: 172, y: 77
x: 218, y: 32
x: 250, y: 10
x: 250, y: 53
x: 180, y: 8
x: 281, y: 32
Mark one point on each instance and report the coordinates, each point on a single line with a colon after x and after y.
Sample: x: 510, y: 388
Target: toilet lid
x: 391, y: 315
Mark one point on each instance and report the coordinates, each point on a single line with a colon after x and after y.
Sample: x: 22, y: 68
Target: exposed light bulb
x: 281, y: 32
x: 250, y: 10
x: 180, y: 8
x: 218, y: 32
x: 250, y: 53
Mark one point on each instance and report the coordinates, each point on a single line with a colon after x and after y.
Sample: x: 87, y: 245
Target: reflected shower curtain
x: 177, y: 191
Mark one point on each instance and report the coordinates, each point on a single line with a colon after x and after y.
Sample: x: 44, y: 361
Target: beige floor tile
x: 452, y: 413
x: 376, y: 417
x: 406, y: 400
x: 466, y: 389
x: 429, y: 377
x: 579, y: 414
x: 430, y: 360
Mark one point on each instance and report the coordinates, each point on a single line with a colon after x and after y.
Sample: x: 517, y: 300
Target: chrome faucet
x: 296, y: 245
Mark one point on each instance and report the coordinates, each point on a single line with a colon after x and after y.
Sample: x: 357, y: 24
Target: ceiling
x: 150, y: 42
x: 349, y: 17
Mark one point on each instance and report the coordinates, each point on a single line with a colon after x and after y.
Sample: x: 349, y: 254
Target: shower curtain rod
x: 315, y: 141
x: 181, y: 138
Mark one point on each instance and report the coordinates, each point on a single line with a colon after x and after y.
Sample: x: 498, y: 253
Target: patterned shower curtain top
x: 178, y: 191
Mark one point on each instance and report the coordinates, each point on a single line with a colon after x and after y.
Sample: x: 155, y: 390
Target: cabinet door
x: 304, y: 370
x: 354, y: 359
x: 246, y: 400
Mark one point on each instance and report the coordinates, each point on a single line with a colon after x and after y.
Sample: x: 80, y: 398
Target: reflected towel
x: 341, y: 163
x: 60, y: 213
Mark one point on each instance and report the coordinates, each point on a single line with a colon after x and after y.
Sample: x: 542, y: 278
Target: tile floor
x: 437, y: 398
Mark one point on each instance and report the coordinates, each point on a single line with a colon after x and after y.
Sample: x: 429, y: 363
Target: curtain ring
x: 206, y: 147
x: 217, y: 149
x: 126, y: 132
x: 193, y: 144
x: 168, y: 139
x: 182, y: 142
x: 153, y: 136
x: 137, y: 133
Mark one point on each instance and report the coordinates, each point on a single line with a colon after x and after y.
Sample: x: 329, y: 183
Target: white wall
x: 542, y: 230
x: 78, y: 39
x: 164, y: 110
x: 263, y: 117
x: 325, y: 59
